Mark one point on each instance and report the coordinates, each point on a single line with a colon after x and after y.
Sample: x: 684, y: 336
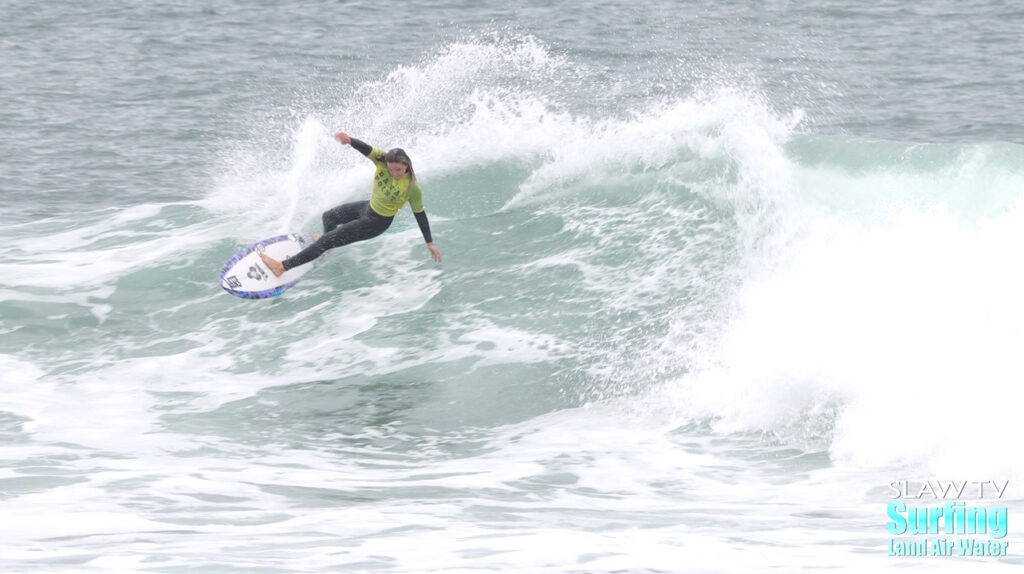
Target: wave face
x: 649, y: 304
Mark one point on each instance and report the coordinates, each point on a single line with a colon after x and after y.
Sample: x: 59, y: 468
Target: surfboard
x: 246, y: 276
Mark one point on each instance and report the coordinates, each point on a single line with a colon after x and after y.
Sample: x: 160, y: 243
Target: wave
x: 881, y: 327
x: 696, y: 255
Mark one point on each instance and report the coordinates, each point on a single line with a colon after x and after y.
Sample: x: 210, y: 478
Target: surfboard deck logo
x: 246, y: 276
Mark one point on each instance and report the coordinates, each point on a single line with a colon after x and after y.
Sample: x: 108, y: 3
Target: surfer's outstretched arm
x: 361, y: 146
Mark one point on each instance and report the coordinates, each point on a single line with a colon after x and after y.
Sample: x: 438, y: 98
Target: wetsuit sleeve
x: 421, y: 219
x: 362, y: 147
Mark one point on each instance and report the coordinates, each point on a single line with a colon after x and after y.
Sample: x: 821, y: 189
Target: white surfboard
x: 245, y: 275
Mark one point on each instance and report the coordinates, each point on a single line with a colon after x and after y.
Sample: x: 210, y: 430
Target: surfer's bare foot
x: 275, y: 266
x: 315, y: 238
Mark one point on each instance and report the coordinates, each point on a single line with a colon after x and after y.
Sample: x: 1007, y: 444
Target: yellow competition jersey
x: 390, y: 194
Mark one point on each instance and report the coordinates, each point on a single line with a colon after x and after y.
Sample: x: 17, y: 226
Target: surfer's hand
x: 434, y: 252
x: 343, y: 138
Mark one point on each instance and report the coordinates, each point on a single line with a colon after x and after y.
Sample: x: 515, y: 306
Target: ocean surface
x: 722, y: 281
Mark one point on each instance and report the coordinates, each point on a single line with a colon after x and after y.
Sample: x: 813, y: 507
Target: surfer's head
x: 399, y: 163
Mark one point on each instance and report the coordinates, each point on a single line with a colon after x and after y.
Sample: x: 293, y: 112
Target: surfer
x: 394, y: 184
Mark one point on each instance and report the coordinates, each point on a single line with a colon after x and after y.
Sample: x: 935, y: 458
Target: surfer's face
x: 396, y: 169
